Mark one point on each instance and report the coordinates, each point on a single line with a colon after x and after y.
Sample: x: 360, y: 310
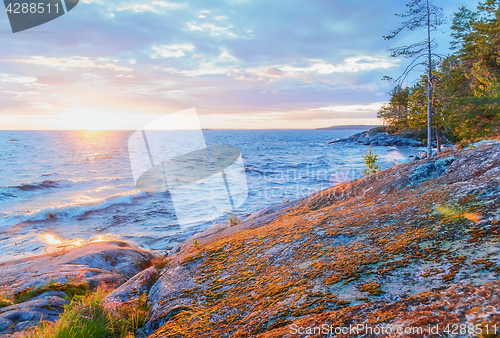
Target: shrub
x: 371, y: 162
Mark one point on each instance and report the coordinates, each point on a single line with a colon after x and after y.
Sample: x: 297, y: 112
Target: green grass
x: 91, y: 317
x: 233, y: 218
x: 5, y: 299
x: 72, y: 291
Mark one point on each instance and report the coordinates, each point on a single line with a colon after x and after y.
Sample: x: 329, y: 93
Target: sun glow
x: 78, y: 242
x: 92, y: 133
x: 99, y: 239
x: 52, y: 240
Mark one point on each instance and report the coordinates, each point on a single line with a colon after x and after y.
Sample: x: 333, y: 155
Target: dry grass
x: 159, y: 263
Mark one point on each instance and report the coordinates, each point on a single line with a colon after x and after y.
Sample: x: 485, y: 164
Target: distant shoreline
x: 346, y: 127
x: 350, y: 127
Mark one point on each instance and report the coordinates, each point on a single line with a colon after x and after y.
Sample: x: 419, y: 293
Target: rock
x: 392, y: 248
x: 134, y: 287
x: 379, y: 137
x: 94, y: 263
x: 19, y: 317
x: 113, y: 261
x: 431, y: 169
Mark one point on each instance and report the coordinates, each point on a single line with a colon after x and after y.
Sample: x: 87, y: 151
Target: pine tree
x: 420, y: 14
x: 371, y: 160
x: 396, y: 114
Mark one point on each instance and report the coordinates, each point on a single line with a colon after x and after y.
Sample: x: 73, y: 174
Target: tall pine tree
x: 420, y: 15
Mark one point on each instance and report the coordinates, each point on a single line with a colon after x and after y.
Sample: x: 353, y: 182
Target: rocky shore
x: 41, y: 285
x: 415, y: 245
x: 380, y: 137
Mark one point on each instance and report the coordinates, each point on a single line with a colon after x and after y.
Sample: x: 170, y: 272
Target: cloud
x: 43, y: 105
x: 221, y: 64
x: 249, y: 75
x: 172, y: 51
x: 281, y: 56
x: 349, y: 65
x: 250, y: 79
x: 206, y: 69
x: 274, y: 71
x: 20, y: 85
x: 74, y: 62
x: 17, y: 79
x: 155, y: 7
x: 211, y: 29
x: 354, y: 108
x: 124, y: 76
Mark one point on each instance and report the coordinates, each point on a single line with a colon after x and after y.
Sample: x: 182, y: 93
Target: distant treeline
x: 466, y: 84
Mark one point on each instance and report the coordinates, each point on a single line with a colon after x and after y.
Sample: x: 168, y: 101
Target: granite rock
x: 416, y: 242
x: 379, y: 137
x: 112, y: 262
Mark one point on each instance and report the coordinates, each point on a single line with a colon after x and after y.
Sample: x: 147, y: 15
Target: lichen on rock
x: 393, y: 248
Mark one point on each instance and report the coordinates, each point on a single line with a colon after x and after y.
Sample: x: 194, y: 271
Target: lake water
x: 77, y: 185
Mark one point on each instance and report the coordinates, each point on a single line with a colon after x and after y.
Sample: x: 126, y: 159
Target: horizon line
x: 321, y: 128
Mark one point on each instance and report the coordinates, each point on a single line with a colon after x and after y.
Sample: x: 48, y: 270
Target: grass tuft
x: 233, y: 218
x: 73, y: 291
x: 159, y: 263
x: 5, y: 299
x: 91, y: 316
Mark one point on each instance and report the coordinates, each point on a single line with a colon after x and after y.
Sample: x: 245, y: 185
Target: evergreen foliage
x: 371, y: 160
x: 465, y: 84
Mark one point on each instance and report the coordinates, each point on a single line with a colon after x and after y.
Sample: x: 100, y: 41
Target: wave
x: 72, y: 210
x: 253, y: 169
x: 6, y: 195
x: 47, y: 184
x: 12, y: 191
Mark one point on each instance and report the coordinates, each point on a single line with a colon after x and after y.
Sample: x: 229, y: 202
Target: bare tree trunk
x: 429, y: 84
x: 438, y: 139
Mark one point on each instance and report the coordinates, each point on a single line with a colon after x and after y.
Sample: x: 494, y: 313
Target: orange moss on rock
x: 376, y: 250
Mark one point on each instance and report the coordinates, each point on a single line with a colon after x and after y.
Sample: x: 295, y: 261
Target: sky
x: 243, y: 64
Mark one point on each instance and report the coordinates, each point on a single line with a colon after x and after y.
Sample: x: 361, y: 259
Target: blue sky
x: 243, y: 64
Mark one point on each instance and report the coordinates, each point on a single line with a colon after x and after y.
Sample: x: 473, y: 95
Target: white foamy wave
x: 72, y: 210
